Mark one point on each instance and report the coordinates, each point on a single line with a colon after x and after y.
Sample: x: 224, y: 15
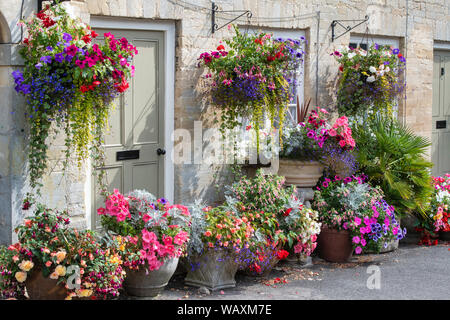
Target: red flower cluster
x: 46, y: 20
x: 427, y: 238
x: 282, y: 254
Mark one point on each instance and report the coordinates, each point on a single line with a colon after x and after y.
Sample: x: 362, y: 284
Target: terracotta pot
x: 304, y: 174
x: 139, y: 283
x: 41, y: 288
x: 334, y: 245
x: 214, y: 269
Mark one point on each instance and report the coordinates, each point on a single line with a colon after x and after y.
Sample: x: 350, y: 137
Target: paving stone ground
x: 410, y: 272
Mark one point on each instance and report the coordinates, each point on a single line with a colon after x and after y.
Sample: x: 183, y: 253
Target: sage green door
x: 136, y: 126
x: 441, y: 113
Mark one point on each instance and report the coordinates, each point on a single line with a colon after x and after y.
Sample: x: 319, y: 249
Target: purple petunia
x: 38, y: 65
x: 46, y: 59
x: 59, y: 57
x: 395, y: 51
x: 67, y: 37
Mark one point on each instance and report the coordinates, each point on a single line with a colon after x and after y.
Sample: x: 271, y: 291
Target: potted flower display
x: 369, y: 80
x: 250, y: 77
x: 218, y: 236
x: 69, y: 81
x: 355, y: 218
x: 280, y: 221
x: 315, y: 144
x: 53, y: 261
x: 437, y: 224
x: 153, y: 235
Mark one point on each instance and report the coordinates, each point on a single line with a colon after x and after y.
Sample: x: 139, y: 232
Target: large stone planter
x: 139, y: 283
x: 334, y: 245
x: 41, y: 288
x: 302, y: 174
x: 215, y: 269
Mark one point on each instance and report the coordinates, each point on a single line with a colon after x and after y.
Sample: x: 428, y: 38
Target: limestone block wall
x: 417, y: 24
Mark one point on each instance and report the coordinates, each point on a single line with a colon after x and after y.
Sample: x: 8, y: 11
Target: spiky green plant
x: 394, y: 157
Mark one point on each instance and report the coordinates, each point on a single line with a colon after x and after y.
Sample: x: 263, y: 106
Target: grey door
x: 441, y: 113
x: 137, y: 123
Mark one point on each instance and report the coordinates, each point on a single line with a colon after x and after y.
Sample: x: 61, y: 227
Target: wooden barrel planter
x: 41, y: 288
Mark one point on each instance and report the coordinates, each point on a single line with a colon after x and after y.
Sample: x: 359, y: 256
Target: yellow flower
x: 84, y: 293
x: 26, y: 265
x: 60, y: 270
x: 61, y: 255
x: 21, y: 276
x: 115, y: 259
x: 122, y: 247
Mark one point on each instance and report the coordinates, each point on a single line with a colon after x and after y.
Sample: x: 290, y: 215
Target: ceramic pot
x: 139, y: 283
x: 214, y: 269
x: 334, y: 245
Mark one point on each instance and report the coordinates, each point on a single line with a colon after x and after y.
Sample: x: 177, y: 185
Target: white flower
x: 370, y: 79
x: 351, y: 55
x: 372, y: 69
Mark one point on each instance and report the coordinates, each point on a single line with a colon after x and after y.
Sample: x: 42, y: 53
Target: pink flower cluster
x: 116, y: 205
x: 342, y: 132
x: 154, y: 252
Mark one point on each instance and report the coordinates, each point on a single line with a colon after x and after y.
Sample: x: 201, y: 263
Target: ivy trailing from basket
x: 69, y: 82
x: 253, y: 79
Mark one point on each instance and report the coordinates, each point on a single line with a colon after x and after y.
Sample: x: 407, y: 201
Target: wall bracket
x: 347, y: 28
x: 215, y: 9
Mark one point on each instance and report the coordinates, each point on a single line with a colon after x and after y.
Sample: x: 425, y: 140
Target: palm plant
x: 394, y: 158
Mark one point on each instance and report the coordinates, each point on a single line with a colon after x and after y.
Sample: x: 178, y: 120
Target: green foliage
x: 393, y: 157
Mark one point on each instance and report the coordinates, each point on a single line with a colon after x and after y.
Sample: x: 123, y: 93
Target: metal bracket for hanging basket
x: 334, y: 23
x: 39, y: 3
x: 215, y: 9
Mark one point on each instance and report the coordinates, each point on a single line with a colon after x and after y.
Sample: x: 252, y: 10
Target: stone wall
x: 416, y: 24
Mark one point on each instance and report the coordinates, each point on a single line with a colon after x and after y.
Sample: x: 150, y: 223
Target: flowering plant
x: 278, y: 218
x: 370, y: 80
x: 149, y: 230
x: 437, y: 219
x: 70, y: 81
x: 47, y: 245
x: 353, y: 205
x: 319, y: 139
x: 222, y: 228
x: 252, y: 77
x: 440, y: 203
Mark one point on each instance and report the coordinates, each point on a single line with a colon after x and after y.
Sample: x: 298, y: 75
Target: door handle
x: 160, y: 151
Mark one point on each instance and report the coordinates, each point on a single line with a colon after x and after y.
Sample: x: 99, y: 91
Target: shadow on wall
x: 5, y: 34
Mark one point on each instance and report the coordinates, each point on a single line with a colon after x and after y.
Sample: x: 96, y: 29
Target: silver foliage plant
x: 198, y: 228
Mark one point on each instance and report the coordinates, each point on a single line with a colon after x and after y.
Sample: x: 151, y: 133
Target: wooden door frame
x: 168, y: 28
x: 438, y: 46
